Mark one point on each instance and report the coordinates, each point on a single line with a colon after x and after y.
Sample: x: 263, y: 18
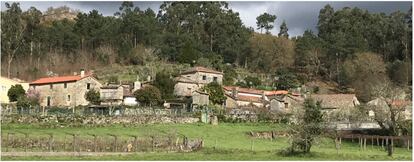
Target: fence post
x: 136, y: 143
x: 74, y: 142
x: 215, y: 144
x: 26, y: 135
x: 365, y: 143
x: 51, y: 142
x: 251, y: 147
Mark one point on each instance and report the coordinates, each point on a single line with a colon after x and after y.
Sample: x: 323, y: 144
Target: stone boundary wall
x: 97, y: 120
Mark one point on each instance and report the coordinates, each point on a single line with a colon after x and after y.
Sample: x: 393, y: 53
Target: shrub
x: 15, y: 92
x: 148, y: 95
x: 93, y: 97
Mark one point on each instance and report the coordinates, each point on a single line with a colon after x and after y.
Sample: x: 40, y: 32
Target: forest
x: 352, y: 47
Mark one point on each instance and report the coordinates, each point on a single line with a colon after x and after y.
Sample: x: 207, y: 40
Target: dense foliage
x: 208, y: 34
x: 148, y: 95
x: 93, y: 97
x: 215, y: 93
x: 308, y: 128
x: 165, y: 84
x: 15, y: 92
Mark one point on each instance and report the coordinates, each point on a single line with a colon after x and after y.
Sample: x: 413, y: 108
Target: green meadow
x: 222, y: 142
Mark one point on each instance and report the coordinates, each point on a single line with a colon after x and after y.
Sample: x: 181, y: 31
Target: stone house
x: 112, y: 95
x: 404, y: 106
x: 194, y: 79
x: 66, y: 91
x: 285, y: 103
x: 238, y: 97
x: 5, y: 85
x: 338, y: 106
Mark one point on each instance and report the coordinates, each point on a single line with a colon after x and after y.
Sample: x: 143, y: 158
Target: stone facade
x: 67, y: 93
x: 195, y: 78
x: 112, y: 95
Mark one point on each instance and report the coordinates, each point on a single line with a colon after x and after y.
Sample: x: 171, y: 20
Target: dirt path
x: 64, y: 153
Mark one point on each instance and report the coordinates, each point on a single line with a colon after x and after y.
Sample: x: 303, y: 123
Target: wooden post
x: 352, y: 138
x: 377, y: 141
x: 251, y: 146
x: 74, y: 143
x: 136, y: 143
x: 365, y: 143
x: 116, y: 144
x: 26, y: 135
x: 372, y: 142
x: 152, y: 143
x: 382, y: 143
x: 51, y: 142
x: 408, y: 144
x: 95, y: 141
x: 386, y: 141
x: 8, y: 141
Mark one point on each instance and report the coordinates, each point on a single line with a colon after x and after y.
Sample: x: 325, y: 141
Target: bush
x: 93, y: 97
x: 148, y: 95
x: 15, y: 92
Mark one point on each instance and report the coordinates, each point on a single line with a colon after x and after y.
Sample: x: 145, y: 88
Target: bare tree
x: 389, y: 106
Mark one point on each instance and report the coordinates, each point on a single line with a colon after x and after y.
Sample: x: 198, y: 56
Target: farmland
x: 223, y: 142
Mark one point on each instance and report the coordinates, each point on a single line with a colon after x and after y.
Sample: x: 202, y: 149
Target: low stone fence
x: 268, y: 134
x: 97, y: 120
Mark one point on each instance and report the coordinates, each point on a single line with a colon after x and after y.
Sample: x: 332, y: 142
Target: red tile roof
x: 201, y: 69
x: 58, y: 79
x: 255, y: 91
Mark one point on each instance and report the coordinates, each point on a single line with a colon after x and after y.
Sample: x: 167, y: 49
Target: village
x: 68, y: 92
x: 216, y: 80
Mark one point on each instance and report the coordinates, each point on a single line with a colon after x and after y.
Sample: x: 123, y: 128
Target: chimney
x: 82, y: 73
x: 235, y: 92
x: 149, y: 78
x: 75, y: 73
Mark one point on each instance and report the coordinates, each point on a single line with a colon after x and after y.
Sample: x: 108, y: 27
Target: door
x: 48, y: 100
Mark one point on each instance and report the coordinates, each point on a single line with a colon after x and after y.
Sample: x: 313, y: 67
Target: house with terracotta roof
x: 65, y: 90
x: 195, y: 78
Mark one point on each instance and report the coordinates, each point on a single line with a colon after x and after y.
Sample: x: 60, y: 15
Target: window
x: 88, y: 86
x: 4, y: 88
x: 51, y: 86
x: 65, y: 85
x: 68, y: 97
x: 204, y: 77
x: 286, y: 105
x: 215, y: 79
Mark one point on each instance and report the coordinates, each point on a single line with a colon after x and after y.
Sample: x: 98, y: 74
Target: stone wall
x: 96, y: 120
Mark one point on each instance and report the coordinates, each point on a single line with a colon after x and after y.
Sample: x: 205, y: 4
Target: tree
x: 310, y: 54
x: 12, y: 32
x: 265, y: 21
x: 309, y: 127
x: 15, y: 92
x: 269, y: 53
x: 389, y: 107
x: 283, y: 30
x: 148, y: 95
x: 93, y: 97
x: 364, y: 71
x: 252, y: 81
x: 165, y: 84
x: 286, y: 79
x: 215, y: 92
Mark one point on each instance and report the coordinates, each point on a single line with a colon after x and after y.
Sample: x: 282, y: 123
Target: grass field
x: 232, y: 143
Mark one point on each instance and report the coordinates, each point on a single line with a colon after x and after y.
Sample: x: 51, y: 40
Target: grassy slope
x: 232, y: 144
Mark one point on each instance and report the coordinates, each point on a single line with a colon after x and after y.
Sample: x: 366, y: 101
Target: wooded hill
x: 352, y: 47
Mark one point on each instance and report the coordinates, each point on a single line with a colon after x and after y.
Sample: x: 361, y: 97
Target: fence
x: 19, y: 142
x: 383, y: 141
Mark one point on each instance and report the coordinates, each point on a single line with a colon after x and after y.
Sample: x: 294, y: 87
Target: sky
x: 299, y: 16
